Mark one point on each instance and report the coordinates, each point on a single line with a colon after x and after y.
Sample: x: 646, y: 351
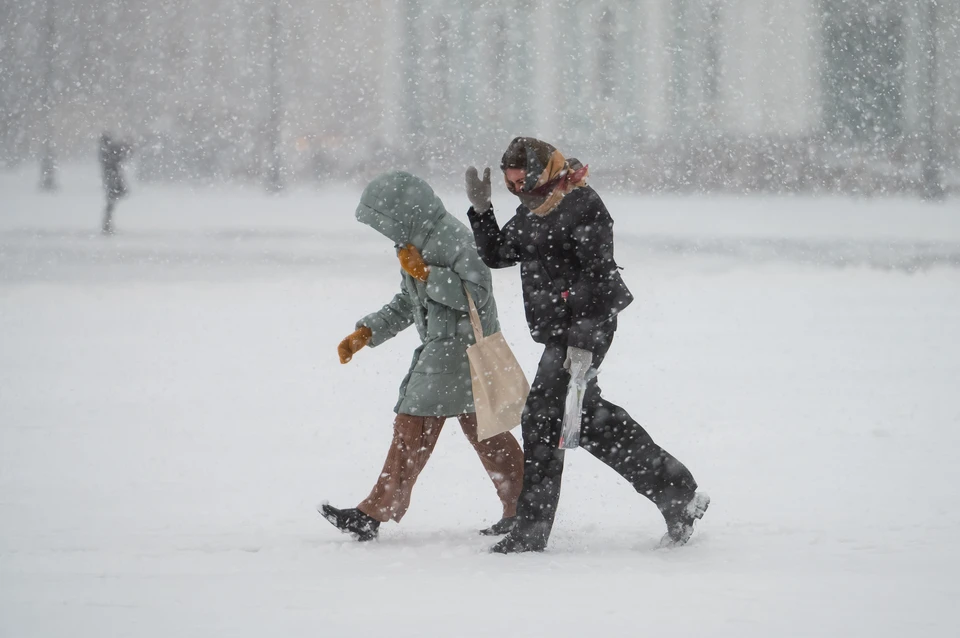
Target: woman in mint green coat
x: 438, y: 259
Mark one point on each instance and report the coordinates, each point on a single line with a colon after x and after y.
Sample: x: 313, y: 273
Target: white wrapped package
x: 573, y: 406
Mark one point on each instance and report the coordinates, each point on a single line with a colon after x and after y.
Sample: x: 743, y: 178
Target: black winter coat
x: 572, y: 289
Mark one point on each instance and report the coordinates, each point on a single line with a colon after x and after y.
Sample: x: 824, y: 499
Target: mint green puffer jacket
x: 404, y: 208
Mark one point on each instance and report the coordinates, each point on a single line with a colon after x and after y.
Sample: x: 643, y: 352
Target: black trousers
x: 607, y: 432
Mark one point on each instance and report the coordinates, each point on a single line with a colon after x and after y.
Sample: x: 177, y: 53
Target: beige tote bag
x: 499, y: 386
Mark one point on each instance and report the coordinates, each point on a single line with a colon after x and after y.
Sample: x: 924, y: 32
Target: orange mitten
x: 354, y: 342
x: 412, y: 262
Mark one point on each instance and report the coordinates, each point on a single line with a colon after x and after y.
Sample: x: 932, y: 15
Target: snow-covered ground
x: 172, y: 410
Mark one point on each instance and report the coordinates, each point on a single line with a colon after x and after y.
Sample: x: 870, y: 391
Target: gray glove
x: 578, y: 361
x: 478, y: 192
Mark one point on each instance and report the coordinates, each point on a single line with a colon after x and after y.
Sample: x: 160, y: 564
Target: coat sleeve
x: 498, y: 247
x: 598, y: 294
x: 445, y: 285
x: 389, y: 321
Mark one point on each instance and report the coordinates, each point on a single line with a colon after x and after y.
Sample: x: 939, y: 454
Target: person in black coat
x: 562, y: 237
x: 112, y: 154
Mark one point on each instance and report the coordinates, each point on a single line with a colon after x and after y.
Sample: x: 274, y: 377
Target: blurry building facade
x: 658, y: 94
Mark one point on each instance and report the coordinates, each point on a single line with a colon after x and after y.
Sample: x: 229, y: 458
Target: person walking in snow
x: 112, y: 154
x: 438, y: 260
x: 562, y: 237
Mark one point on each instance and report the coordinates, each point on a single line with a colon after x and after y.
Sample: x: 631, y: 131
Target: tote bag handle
x: 474, y: 316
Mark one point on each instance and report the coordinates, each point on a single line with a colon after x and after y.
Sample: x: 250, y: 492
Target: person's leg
x: 502, y: 458
x: 609, y: 433
x: 542, y: 460
x: 107, y: 228
x: 414, y: 438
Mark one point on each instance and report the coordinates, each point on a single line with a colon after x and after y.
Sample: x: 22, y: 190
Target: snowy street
x: 172, y: 410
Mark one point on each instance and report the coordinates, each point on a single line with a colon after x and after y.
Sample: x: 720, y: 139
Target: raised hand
x: 478, y: 191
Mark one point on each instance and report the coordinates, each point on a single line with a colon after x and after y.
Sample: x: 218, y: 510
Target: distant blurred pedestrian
x: 112, y: 154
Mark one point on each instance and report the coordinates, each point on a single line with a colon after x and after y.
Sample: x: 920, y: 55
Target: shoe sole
x: 695, y: 509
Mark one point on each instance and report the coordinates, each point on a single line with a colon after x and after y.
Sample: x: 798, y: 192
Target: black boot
x: 352, y: 521
x: 501, y: 527
x: 516, y: 544
x: 680, y: 520
x: 523, y: 538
